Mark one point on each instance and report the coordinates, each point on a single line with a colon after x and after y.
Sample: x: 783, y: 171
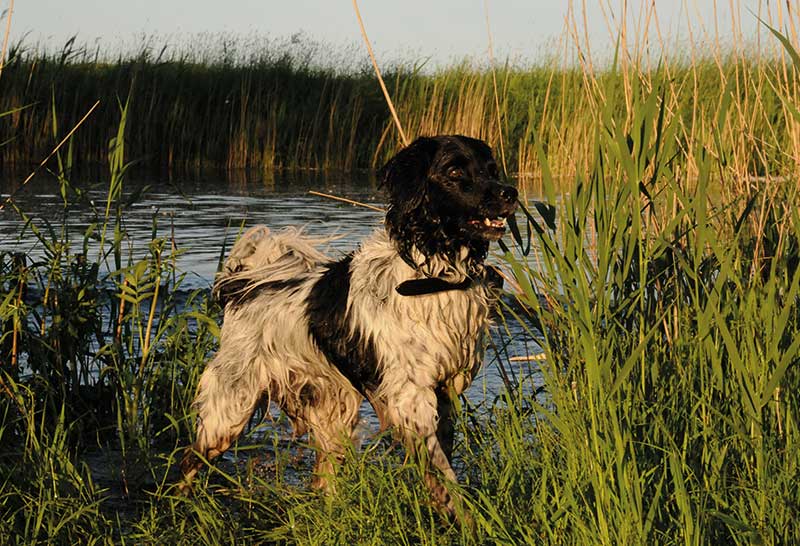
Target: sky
x: 441, y: 31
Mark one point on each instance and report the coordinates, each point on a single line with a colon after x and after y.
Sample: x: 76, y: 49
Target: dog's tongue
x: 498, y: 223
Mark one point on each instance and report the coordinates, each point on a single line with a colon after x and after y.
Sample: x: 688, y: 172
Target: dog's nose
x: 509, y: 194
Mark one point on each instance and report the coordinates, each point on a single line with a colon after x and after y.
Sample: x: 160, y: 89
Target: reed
x: 670, y: 329
x: 268, y: 105
x: 660, y: 277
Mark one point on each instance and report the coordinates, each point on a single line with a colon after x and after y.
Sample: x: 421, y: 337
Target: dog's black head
x: 444, y: 195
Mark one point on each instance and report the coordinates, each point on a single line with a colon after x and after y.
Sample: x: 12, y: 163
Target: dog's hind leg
x: 224, y: 405
x: 331, y: 415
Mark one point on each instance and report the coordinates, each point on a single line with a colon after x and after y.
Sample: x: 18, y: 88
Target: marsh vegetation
x: 665, y: 294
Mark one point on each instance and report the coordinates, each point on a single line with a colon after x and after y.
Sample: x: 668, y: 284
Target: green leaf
x: 787, y: 44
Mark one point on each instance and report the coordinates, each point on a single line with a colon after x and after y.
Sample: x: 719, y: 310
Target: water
x: 203, y: 213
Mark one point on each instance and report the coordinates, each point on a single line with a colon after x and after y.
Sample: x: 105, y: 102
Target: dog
x: 399, y: 321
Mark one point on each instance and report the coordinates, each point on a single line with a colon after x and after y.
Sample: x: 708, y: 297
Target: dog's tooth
x: 487, y: 222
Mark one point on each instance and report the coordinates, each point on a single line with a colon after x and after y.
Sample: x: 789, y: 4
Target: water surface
x: 202, y: 214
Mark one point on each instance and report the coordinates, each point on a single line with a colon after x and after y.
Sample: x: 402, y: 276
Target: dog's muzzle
x: 490, y: 222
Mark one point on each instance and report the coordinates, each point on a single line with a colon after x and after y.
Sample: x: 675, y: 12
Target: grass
x: 665, y: 293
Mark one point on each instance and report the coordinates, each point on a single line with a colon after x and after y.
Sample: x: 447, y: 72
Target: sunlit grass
x: 665, y: 293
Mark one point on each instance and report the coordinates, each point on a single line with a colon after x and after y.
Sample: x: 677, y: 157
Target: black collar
x: 430, y: 285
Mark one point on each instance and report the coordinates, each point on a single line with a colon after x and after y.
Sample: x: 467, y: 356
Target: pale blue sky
x: 441, y: 30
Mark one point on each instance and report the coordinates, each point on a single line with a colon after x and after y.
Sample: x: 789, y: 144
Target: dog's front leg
x: 435, y: 455
x: 415, y: 414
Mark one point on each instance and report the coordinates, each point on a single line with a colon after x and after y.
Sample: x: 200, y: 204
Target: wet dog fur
x: 399, y: 321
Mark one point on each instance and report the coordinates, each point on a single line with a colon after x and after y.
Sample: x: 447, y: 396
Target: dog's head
x: 445, y: 195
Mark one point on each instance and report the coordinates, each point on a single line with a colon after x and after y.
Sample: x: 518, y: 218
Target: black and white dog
x: 399, y: 321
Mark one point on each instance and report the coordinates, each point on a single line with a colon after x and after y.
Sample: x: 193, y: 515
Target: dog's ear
x: 404, y: 175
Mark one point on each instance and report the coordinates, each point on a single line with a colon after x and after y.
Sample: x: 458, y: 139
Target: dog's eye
x: 455, y: 172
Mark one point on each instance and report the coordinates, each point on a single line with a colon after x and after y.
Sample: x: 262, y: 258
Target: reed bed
x: 665, y: 293
x: 269, y: 105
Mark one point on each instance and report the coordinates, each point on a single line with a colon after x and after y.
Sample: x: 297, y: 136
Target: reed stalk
x: 6, y: 33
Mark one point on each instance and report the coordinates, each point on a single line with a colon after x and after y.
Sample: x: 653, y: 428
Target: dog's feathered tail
x: 260, y: 257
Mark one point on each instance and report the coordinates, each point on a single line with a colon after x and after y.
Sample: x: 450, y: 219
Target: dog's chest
x: 458, y: 314
x: 429, y: 338
x: 444, y: 334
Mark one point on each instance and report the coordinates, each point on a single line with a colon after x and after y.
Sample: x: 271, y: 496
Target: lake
x: 203, y: 213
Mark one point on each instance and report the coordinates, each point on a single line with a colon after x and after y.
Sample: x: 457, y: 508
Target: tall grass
x: 273, y: 112
x: 96, y: 351
x: 670, y: 328
x: 280, y: 115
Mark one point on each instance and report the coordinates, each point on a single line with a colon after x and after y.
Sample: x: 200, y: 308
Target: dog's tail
x: 260, y: 257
